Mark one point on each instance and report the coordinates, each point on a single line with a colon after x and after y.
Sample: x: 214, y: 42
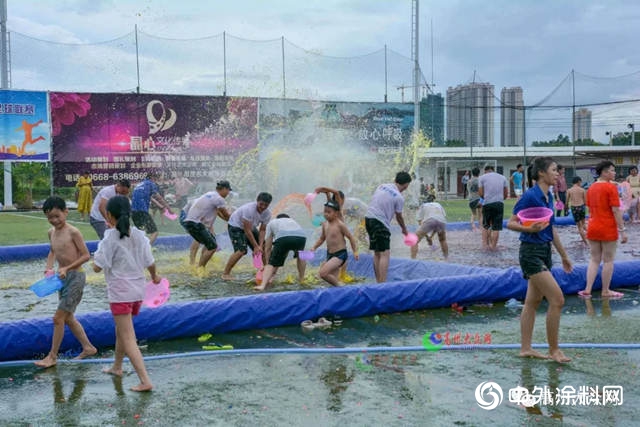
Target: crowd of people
x: 124, y: 251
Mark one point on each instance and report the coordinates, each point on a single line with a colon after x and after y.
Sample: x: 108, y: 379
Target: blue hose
x: 337, y: 350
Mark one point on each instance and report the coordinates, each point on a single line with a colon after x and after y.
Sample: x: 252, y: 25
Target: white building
x: 511, y: 117
x: 470, y: 114
x: 446, y: 165
x: 582, y: 124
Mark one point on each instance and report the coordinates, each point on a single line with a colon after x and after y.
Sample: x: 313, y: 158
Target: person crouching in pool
x: 535, y: 261
x: 334, y: 231
x: 243, y: 230
x: 283, y: 235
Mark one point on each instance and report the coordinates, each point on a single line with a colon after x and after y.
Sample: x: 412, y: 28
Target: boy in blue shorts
x: 334, y: 231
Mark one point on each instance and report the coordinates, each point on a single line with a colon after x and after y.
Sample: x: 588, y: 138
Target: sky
x: 534, y: 44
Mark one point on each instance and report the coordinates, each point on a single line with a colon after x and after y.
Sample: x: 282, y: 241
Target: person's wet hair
x: 53, y: 202
x: 403, y: 178
x: 605, y: 164
x: 120, y: 209
x: 540, y: 164
x: 283, y: 215
x: 264, y: 197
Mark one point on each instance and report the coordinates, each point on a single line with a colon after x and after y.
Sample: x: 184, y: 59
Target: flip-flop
x: 583, y: 294
x: 307, y: 325
x: 323, y: 323
x: 613, y: 294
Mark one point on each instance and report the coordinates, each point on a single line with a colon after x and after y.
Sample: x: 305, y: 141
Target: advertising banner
x: 116, y: 135
x: 24, y: 126
x: 376, y: 125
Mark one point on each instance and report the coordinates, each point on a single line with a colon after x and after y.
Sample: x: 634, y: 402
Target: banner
x: 115, y: 136
x: 24, y: 126
x: 376, y: 125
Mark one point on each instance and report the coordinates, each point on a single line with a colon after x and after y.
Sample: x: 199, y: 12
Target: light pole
x: 633, y: 133
x: 610, y: 135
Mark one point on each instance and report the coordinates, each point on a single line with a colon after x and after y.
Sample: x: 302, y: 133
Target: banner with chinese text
x: 24, y: 126
x: 115, y: 136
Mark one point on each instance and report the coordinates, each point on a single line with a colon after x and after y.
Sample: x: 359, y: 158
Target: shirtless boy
x: 334, y: 231
x: 577, y: 199
x: 70, y: 252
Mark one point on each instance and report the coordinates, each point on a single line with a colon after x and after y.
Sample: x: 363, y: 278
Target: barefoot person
x: 576, y: 199
x: 605, y: 226
x: 70, y: 252
x: 123, y: 254
x: 432, y: 219
x: 334, y: 231
x: 243, y: 230
x: 535, y: 261
x: 283, y: 235
x: 201, y: 215
x: 386, y: 202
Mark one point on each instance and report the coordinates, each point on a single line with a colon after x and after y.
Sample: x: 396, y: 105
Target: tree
x: 30, y: 176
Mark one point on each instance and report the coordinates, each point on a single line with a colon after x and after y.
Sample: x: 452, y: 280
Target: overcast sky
x: 529, y: 43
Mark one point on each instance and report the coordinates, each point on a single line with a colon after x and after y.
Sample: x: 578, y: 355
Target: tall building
x: 470, y: 114
x: 432, y: 118
x: 582, y: 124
x: 511, y: 117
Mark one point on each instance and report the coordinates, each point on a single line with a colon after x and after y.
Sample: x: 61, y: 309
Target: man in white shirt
x: 243, y: 230
x: 431, y: 219
x: 493, y: 188
x: 386, y: 202
x: 201, y: 215
x: 99, y: 208
x: 283, y: 235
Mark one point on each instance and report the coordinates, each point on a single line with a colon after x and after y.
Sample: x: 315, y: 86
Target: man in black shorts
x: 283, y: 235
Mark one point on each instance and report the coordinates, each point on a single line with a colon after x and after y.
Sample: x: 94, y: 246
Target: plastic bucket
x: 532, y: 215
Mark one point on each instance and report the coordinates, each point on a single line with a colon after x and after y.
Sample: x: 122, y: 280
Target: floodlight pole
x: 4, y: 82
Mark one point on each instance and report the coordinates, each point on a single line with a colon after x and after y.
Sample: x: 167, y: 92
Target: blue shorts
x: 341, y: 254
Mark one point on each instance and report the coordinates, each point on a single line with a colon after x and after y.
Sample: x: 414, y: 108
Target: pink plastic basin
x: 532, y: 215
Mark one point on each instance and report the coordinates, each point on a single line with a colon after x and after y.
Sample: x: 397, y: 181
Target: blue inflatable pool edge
x: 412, y: 285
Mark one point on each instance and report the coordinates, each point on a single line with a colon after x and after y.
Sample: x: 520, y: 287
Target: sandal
x: 583, y: 294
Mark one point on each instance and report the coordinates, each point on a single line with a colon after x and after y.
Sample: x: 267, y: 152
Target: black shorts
x: 239, y: 239
x: 199, y: 232
x: 474, y: 205
x: 578, y: 213
x: 342, y: 254
x: 534, y: 258
x: 282, y: 246
x: 144, y: 221
x: 379, y: 235
x: 492, y: 216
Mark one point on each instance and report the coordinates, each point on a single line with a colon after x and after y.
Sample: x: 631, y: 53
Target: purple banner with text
x: 115, y: 136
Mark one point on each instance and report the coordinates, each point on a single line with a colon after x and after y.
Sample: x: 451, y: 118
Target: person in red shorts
x: 123, y: 254
x: 605, y: 226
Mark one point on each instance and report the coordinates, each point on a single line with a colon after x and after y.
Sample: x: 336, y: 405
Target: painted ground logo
x: 488, y: 395
x: 432, y: 341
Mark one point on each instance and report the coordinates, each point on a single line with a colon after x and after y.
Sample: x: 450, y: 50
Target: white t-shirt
x: 283, y: 227
x: 432, y: 210
x: 493, y: 184
x: 123, y: 261
x: 249, y: 212
x: 385, y: 203
x: 205, y: 208
x: 105, y: 194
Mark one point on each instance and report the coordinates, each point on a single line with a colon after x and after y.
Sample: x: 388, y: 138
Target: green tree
x: 30, y: 177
